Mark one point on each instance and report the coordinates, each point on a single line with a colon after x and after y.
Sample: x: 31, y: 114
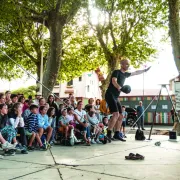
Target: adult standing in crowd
x: 52, y: 103
x: 8, y: 97
x: 37, y: 97
x: 2, y: 98
x: 140, y: 110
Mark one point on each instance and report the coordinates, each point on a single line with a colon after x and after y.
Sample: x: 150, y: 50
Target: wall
x: 163, y: 110
x: 88, y: 87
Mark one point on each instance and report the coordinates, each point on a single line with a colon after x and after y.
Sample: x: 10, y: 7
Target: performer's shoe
x: 116, y: 137
x: 109, y: 135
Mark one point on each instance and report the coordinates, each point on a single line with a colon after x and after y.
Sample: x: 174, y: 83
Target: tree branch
x: 112, y: 33
x: 20, y: 4
x: 36, y: 45
x: 102, y: 43
x: 38, y: 19
x: 73, y: 10
x: 26, y: 52
x: 88, y: 18
x: 58, y: 5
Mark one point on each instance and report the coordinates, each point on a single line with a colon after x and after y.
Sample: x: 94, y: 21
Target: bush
x: 31, y: 90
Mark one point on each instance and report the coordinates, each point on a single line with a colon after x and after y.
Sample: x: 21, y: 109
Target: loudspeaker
x: 173, y: 135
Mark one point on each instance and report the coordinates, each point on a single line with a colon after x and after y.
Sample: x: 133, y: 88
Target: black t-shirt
x: 120, y: 80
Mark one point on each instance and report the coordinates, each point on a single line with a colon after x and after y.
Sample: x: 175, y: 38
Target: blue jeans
x: 87, y: 130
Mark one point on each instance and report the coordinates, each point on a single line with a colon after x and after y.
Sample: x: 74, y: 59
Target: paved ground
x: 98, y: 162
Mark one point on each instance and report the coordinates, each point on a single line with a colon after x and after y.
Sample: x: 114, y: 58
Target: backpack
x: 140, y: 135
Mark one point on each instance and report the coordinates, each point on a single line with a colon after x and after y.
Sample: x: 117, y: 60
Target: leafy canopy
x: 124, y: 27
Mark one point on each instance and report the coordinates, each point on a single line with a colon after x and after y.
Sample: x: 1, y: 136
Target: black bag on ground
x: 140, y: 135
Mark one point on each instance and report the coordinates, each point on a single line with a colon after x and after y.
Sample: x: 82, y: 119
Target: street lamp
x: 143, y: 80
x: 42, y: 56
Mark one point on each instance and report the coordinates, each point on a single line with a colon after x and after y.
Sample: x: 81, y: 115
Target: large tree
x: 124, y: 29
x: 23, y: 40
x: 174, y: 29
x: 54, y: 14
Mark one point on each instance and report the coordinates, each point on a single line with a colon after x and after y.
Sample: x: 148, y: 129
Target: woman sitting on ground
x: 8, y: 132
x: 16, y: 121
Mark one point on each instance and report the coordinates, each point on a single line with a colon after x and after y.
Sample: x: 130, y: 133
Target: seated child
x: 97, y: 126
x: 123, y: 125
x: 64, y: 125
x: 52, y: 122
x: 71, y: 116
x: 31, y: 127
x: 105, y: 121
x: 43, y: 124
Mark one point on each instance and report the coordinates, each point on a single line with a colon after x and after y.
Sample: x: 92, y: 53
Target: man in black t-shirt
x: 116, y: 83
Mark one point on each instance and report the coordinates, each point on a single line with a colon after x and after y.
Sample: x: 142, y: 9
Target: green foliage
x: 31, y: 90
x: 22, y: 41
x: 80, y: 50
x: 124, y: 27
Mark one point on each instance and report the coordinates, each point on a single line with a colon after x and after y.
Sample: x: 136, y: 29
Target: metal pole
x: 143, y: 87
x: 172, y: 103
x: 42, y: 56
x: 154, y: 117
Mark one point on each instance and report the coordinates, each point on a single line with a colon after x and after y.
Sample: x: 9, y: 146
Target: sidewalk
x: 97, y: 162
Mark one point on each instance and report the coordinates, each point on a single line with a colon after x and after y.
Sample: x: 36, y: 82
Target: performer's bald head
x: 125, y: 63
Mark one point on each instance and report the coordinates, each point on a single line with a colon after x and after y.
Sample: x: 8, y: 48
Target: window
x: 70, y: 83
x: 80, y: 78
x: 164, y: 106
x: 153, y: 107
x: 88, y: 88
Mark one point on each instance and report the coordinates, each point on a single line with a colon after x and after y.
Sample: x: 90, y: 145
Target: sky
x: 162, y: 70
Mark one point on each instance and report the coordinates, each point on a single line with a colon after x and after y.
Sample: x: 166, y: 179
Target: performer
x: 112, y: 93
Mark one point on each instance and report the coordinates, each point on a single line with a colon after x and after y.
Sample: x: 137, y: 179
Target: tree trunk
x: 54, y: 54
x: 113, y: 63
x: 174, y: 28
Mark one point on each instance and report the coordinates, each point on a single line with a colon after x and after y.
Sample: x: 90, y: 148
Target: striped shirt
x: 31, y: 124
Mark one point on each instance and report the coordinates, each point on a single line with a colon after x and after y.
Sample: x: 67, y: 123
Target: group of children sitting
x: 23, y: 122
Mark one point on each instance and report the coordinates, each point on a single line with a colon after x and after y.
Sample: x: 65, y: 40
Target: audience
x: 27, y: 124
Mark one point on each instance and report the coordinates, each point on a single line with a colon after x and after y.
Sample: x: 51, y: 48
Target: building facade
x: 149, y: 100
x: 86, y: 86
